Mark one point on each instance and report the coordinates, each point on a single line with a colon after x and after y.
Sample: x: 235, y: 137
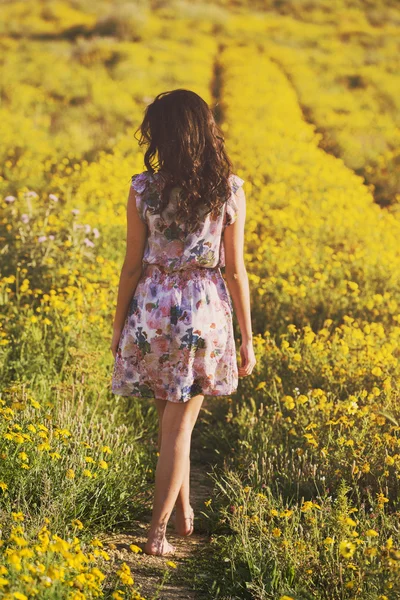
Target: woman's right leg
x: 178, y: 421
x: 183, y: 509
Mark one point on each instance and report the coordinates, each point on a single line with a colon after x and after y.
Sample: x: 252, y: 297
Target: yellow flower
x: 389, y: 460
x: 17, y: 516
x: 306, y: 506
x: 70, y: 474
x: 347, y: 548
x: 377, y: 371
x: 246, y: 489
x: 286, y: 513
x: 389, y: 543
x: 381, y: 499
x: 371, y: 533
x: 302, y: 399
x: 329, y: 541
x: 208, y: 502
x: 103, y: 464
x: 56, y: 573
x: 135, y: 548
x: 77, y: 523
x: 124, y: 573
x: 289, y: 402
x: 97, y: 573
x: 170, y: 563
x: 276, y: 532
x: 261, y: 386
x: 3, y: 486
x: 255, y: 518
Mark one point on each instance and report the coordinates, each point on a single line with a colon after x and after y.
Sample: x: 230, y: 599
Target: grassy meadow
x: 306, y: 490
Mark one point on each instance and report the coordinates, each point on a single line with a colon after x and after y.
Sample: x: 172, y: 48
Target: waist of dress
x: 189, y: 271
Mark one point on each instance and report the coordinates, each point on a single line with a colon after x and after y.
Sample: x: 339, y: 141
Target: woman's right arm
x: 238, y: 282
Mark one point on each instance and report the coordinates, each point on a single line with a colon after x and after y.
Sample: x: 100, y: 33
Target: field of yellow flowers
x: 306, y: 501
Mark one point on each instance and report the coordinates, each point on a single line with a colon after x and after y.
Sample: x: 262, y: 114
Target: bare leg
x: 178, y: 421
x: 183, y: 509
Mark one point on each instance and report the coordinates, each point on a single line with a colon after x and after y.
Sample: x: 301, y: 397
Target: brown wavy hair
x: 186, y: 145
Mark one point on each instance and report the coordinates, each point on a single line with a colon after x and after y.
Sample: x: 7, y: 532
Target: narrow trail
x: 148, y: 571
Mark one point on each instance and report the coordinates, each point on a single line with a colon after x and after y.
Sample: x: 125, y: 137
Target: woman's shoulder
x: 141, y: 181
x: 236, y: 182
x: 147, y: 176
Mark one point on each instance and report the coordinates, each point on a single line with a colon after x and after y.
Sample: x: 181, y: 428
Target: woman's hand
x: 115, y: 340
x: 248, y: 359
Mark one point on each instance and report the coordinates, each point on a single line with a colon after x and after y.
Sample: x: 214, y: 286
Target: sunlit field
x: 306, y: 493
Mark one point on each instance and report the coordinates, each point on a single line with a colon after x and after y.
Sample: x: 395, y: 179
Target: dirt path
x: 148, y: 571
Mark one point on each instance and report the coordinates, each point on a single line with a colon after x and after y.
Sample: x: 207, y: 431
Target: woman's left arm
x: 131, y: 271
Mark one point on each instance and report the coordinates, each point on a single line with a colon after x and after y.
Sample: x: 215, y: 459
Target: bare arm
x: 238, y: 282
x: 132, y: 267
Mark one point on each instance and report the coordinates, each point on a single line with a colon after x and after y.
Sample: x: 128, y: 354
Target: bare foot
x: 184, y: 525
x: 158, y: 548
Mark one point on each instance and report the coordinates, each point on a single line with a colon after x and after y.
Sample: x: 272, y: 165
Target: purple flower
x: 10, y: 199
x: 53, y: 197
x: 25, y: 218
x: 75, y: 211
x: 88, y: 242
x: 31, y: 194
x: 140, y: 182
x: 96, y: 232
x: 87, y: 228
x: 42, y: 238
x: 51, y: 237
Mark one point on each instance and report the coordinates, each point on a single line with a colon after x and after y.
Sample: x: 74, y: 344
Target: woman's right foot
x: 157, y: 548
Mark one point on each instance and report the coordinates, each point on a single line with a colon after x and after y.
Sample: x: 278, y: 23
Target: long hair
x: 186, y: 145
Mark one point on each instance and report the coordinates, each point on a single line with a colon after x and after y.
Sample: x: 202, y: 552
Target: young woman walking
x: 173, y: 334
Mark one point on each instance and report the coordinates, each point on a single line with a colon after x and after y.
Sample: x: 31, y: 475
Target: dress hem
x: 175, y: 401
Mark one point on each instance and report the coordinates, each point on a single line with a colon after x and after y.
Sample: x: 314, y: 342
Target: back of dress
x: 178, y: 338
x: 168, y: 244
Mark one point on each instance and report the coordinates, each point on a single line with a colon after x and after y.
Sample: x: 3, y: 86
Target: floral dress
x: 178, y: 339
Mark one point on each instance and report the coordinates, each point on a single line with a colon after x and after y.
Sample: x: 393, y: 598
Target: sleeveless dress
x: 178, y: 339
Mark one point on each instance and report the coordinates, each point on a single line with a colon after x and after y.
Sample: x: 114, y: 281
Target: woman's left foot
x: 184, y: 525
x: 159, y: 548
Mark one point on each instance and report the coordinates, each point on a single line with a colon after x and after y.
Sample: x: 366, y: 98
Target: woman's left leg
x: 179, y: 418
x: 183, y: 509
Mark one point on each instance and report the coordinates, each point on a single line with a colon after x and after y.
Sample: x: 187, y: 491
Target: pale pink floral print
x: 178, y: 338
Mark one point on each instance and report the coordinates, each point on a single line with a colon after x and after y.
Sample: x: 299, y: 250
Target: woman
x: 173, y: 335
